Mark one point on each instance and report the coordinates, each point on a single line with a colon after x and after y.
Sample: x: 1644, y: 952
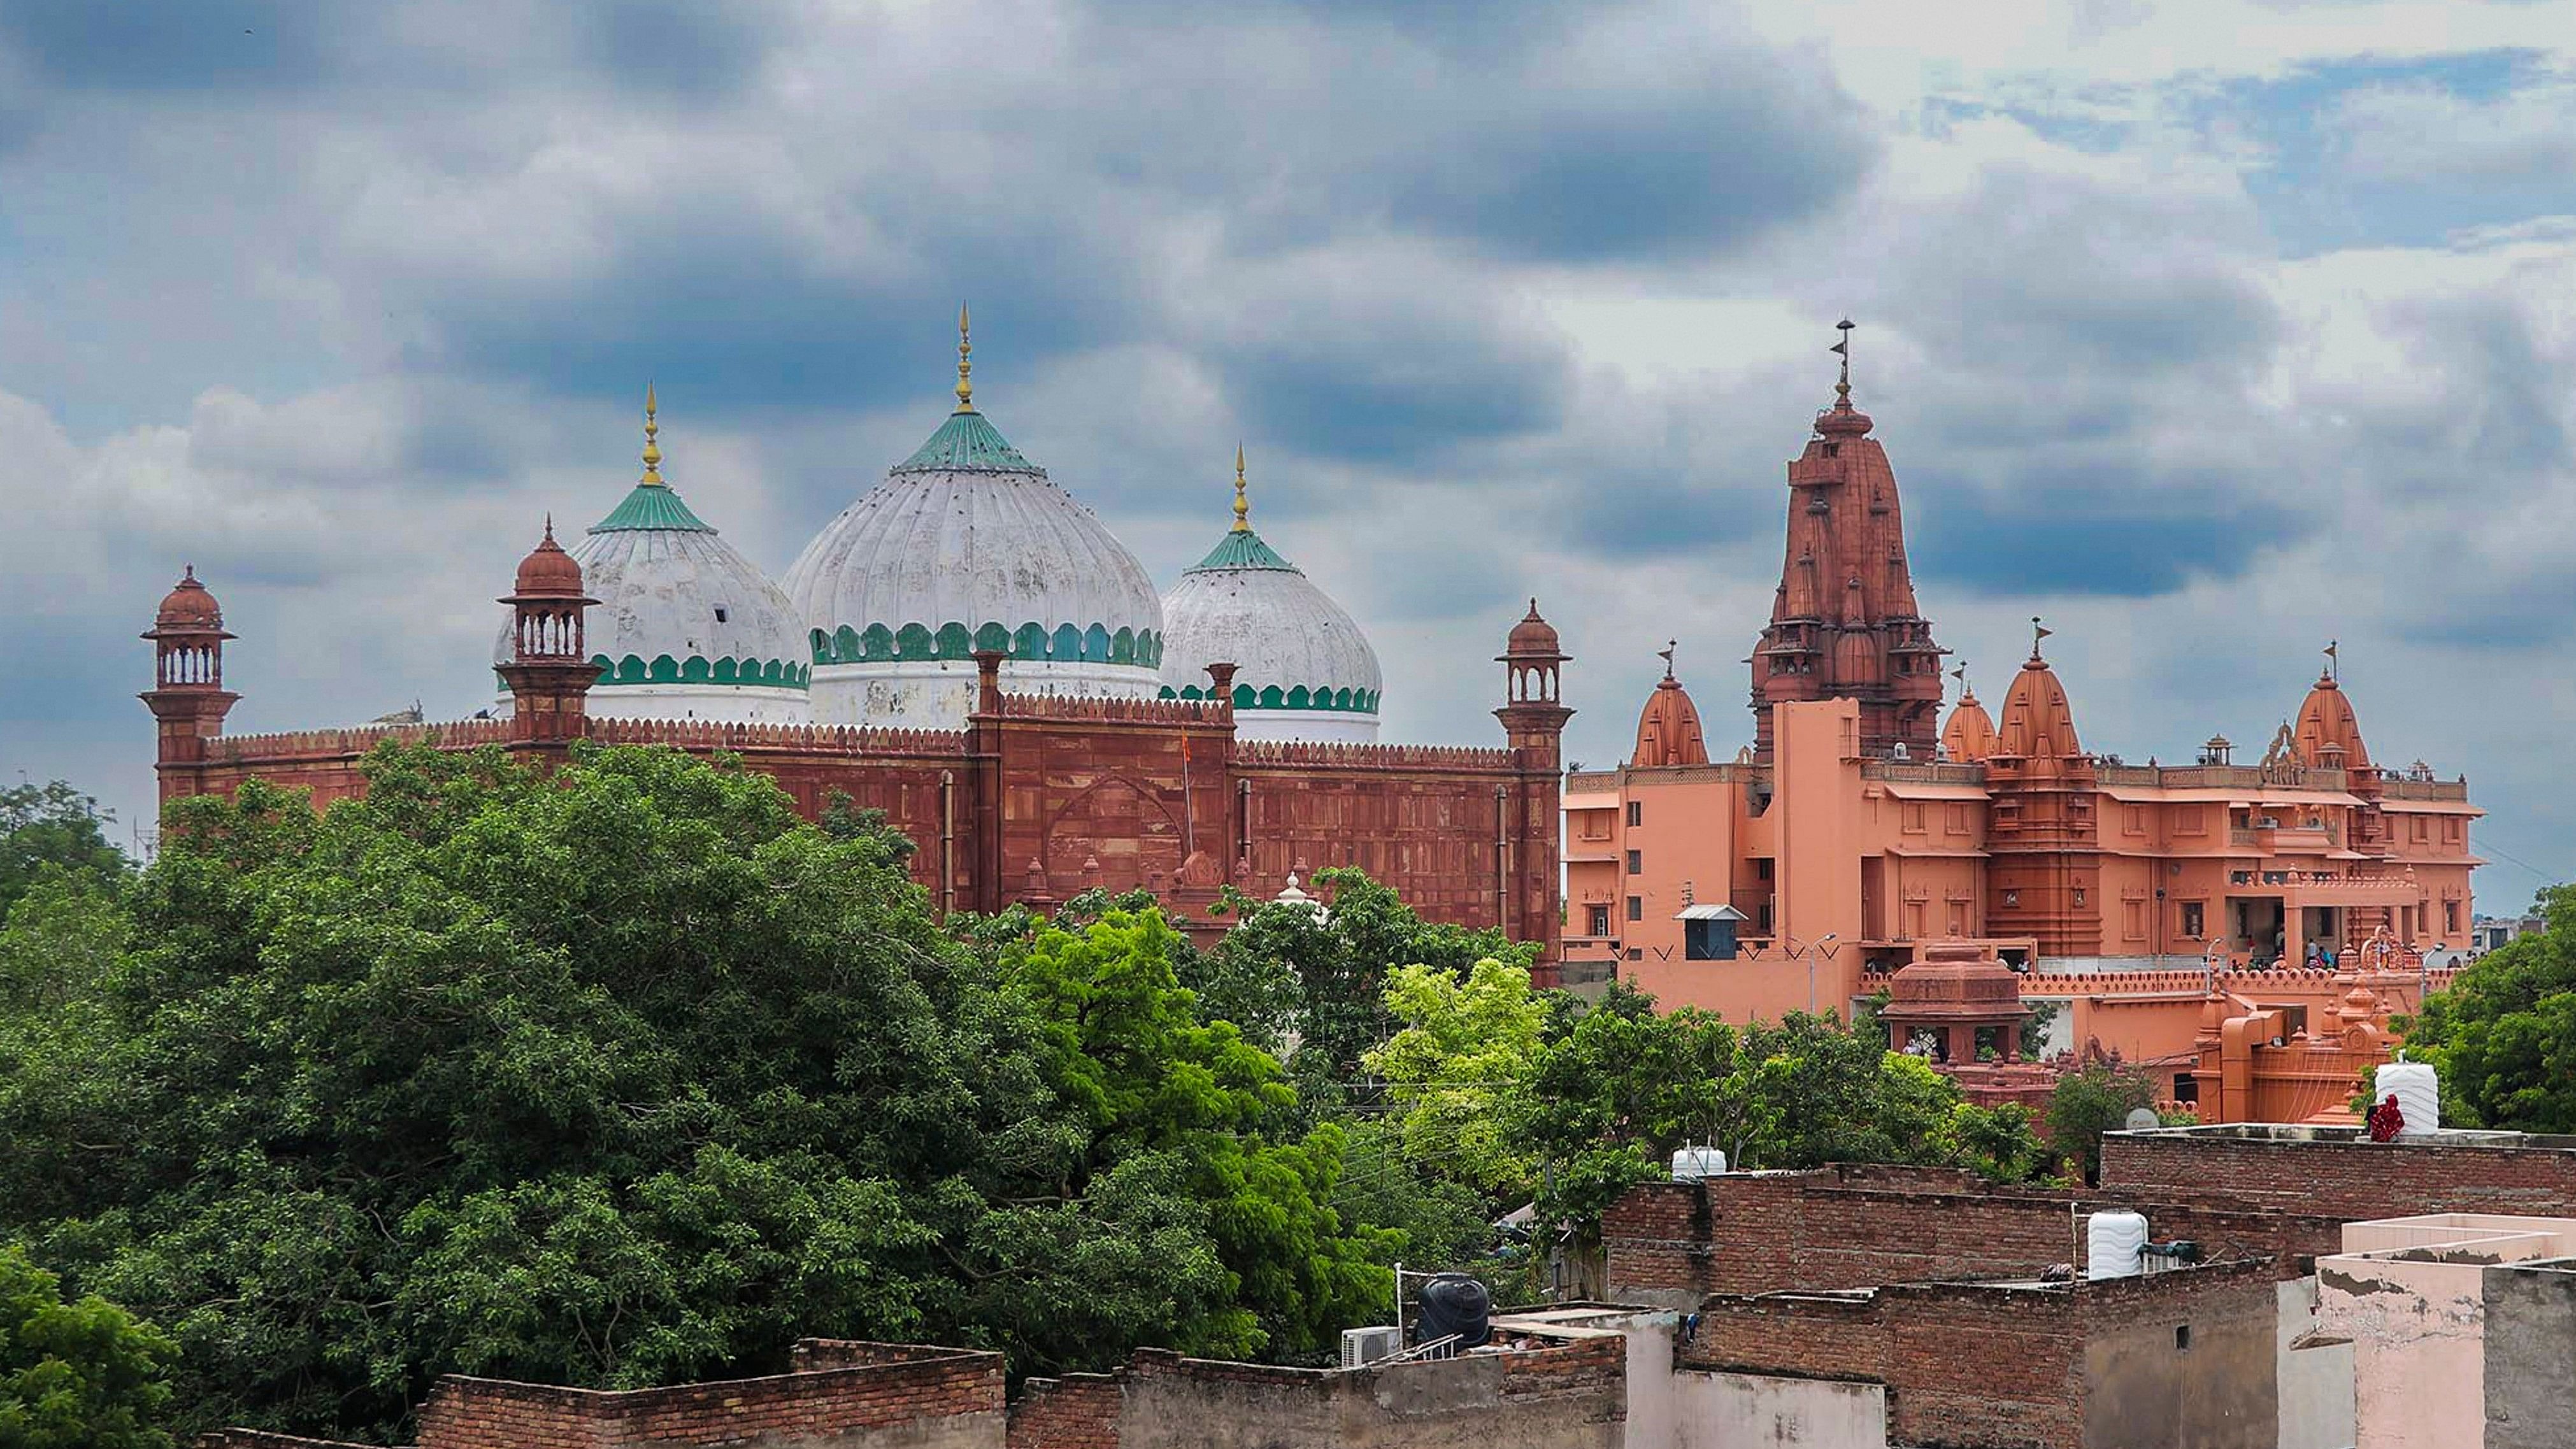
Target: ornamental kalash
x: 969, y: 649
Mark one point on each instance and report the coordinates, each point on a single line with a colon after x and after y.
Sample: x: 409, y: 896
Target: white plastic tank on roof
x: 2114, y: 1245
x: 2418, y: 1091
x: 1690, y: 1164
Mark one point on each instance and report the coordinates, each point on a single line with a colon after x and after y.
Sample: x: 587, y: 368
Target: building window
x: 2133, y: 820
x: 2012, y: 900
x: 1636, y: 813
x: 2450, y: 918
x: 1636, y: 953
x: 2188, y: 820
x: 1636, y: 908
x: 1600, y: 921
x: 1762, y: 868
x: 2182, y: 1337
x: 720, y: 613
x: 1636, y: 862
x: 2191, y: 920
x: 1913, y: 819
x: 1955, y: 820
x: 2079, y: 895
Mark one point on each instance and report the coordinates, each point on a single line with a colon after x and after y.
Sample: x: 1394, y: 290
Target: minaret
x: 1843, y: 622
x: 187, y: 697
x: 550, y: 672
x: 1534, y: 722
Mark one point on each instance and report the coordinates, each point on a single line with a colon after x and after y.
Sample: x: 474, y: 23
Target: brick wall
x: 1670, y: 1244
x: 955, y: 1391
x: 2331, y: 1174
x: 1986, y: 1366
x: 1078, y: 1411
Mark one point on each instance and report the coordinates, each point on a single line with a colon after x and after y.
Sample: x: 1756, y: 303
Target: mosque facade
x: 970, y: 649
x: 1814, y: 866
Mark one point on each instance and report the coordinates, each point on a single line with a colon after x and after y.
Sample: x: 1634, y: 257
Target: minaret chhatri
x: 1844, y: 624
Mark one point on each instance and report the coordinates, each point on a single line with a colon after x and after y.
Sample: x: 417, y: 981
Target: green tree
x: 1339, y: 964
x: 52, y: 827
x: 2090, y: 1101
x: 77, y: 1374
x: 620, y: 1074
x: 2503, y: 1036
x: 1614, y: 1090
x: 1466, y: 1046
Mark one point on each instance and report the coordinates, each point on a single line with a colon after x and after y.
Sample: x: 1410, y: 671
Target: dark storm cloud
x: 2092, y: 537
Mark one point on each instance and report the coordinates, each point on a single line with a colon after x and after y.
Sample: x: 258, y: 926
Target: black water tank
x: 1455, y: 1303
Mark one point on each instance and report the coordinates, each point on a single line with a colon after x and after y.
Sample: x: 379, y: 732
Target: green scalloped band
x: 696, y: 669
x: 877, y: 644
x: 1271, y: 696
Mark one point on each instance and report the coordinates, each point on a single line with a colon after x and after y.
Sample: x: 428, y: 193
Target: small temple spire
x: 965, y: 365
x: 652, y: 448
x: 1242, y: 500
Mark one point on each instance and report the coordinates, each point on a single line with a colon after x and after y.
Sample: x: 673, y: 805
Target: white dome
x: 685, y: 626
x: 967, y: 545
x: 1303, y: 669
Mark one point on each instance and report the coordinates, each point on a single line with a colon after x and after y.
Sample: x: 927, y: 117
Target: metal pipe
x: 947, y: 842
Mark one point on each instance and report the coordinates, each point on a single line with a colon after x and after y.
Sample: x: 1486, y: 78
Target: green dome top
x: 967, y: 444
x: 1242, y: 548
x: 650, y: 506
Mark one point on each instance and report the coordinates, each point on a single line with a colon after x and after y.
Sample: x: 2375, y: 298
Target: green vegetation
x: 75, y: 1375
x: 624, y: 1074
x: 2090, y: 1101
x: 49, y: 829
x: 2504, y: 1035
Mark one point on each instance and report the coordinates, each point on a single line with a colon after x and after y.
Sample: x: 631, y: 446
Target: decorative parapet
x: 2400, y: 787
x: 1924, y: 772
x: 1257, y: 754
x: 355, y: 740
x: 1101, y: 709
x: 851, y: 740
x: 2282, y: 776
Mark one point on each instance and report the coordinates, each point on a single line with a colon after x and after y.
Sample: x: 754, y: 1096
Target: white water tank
x: 2418, y: 1093
x: 2114, y: 1244
x: 1690, y: 1164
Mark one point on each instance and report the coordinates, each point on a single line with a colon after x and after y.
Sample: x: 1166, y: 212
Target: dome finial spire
x: 652, y: 449
x: 1842, y: 389
x: 1242, y: 499
x: 1666, y: 654
x: 2038, y: 631
x: 965, y: 366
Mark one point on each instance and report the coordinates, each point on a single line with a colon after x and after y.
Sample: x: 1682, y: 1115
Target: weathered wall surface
x: 2531, y: 1320
x: 1569, y: 1396
x: 897, y: 1399
x: 2200, y: 1369
x: 2315, y: 1382
x: 1738, y: 1411
x: 2344, y: 1178
x: 2419, y: 1366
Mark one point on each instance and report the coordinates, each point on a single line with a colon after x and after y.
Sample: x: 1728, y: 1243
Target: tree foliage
x: 52, y: 828
x: 2503, y: 1036
x: 625, y: 1074
x: 2090, y: 1101
x: 75, y: 1374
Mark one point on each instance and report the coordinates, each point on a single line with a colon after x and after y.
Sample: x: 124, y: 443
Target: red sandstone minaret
x: 1843, y: 622
x: 549, y: 672
x: 1534, y: 722
x: 188, y: 697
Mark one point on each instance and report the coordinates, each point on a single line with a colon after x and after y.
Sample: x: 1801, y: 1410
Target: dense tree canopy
x: 51, y: 827
x: 2504, y: 1035
x: 79, y: 1374
x: 619, y: 1075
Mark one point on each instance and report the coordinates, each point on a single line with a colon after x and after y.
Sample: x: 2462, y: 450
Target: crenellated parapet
x: 354, y: 740
x: 1306, y: 754
x: 851, y: 741
x: 1100, y: 709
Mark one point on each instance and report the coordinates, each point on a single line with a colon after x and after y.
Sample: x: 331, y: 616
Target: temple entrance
x: 2254, y: 926
x: 2324, y: 925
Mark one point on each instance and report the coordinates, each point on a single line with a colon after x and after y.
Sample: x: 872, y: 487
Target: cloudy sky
x: 2211, y: 331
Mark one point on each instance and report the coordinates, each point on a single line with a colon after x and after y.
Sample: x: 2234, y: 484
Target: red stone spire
x: 1844, y: 623
x: 187, y: 698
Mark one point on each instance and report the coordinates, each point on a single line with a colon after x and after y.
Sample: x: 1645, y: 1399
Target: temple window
x: 1636, y: 862
x: 1636, y: 814
x: 1636, y: 908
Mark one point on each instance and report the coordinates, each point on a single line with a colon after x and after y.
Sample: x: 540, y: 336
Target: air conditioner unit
x: 1368, y: 1345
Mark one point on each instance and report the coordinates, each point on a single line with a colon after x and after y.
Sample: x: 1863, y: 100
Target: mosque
x: 969, y: 648
x: 1975, y: 869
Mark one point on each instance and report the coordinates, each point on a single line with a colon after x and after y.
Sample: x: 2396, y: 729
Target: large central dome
x: 968, y: 545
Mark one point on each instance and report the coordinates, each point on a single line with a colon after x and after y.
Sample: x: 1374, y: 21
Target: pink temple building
x: 1809, y: 867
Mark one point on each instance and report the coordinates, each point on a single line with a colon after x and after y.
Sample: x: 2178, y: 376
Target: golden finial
x: 965, y: 385
x: 652, y: 449
x: 1242, y: 504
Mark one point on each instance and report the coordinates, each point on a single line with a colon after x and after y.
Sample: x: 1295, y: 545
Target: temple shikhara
x: 969, y: 649
x: 2242, y: 925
